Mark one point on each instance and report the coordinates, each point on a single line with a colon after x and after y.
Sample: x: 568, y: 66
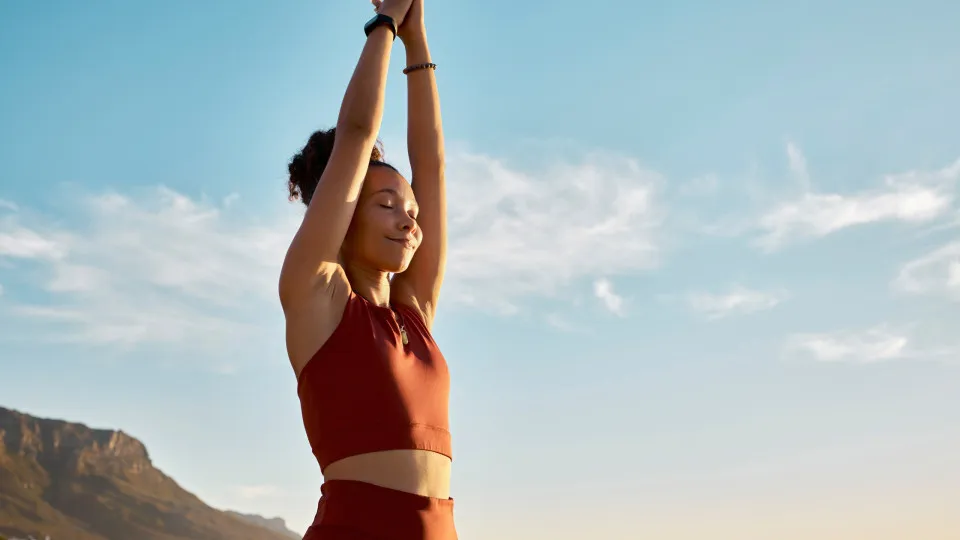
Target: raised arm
x: 420, y: 283
x: 312, y: 257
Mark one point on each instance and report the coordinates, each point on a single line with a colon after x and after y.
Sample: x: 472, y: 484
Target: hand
x: 396, y: 9
x: 413, y: 27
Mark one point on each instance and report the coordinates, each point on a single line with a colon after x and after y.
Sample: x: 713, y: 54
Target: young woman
x: 373, y: 386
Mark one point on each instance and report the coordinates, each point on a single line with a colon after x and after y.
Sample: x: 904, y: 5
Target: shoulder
x: 312, y: 318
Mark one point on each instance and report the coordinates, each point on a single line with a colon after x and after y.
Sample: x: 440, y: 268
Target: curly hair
x: 307, y: 165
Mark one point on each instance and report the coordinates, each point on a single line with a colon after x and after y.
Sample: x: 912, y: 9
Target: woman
x: 373, y: 386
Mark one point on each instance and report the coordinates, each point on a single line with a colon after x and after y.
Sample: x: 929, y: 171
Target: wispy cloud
x: 559, y: 322
x: 8, y: 205
x: 879, y: 344
x: 161, y: 268
x: 24, y: 243
x: 518, y: 233
x: 937, y: 272
x: 873, y: 345
x: 798, y: 165
x: 737, y: 301
x: 603, y: 289
x: 912, y: 197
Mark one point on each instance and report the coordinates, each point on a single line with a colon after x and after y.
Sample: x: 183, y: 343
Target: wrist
x: 417, y: 50
x: 416, y: 38
x: 397, y: 17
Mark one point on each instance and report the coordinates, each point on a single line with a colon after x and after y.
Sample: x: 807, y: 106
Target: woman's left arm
x: 420, y: 283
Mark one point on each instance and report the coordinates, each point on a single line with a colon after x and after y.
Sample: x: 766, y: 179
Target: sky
x: 704, y: 268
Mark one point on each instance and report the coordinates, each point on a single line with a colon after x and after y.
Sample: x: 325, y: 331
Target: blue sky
x: 705, y: 258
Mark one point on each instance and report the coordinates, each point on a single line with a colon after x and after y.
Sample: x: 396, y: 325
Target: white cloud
x: 874, y: 345
x: 23, y: 243
x: 73, y: 277
x: 937, y: 272
x: 603, y: 289
x: 879, y: 344
x: 738, y: 301
x: 257, y: 492
x: 8, y: 205
x: 515, y: 234
x: 912, y: 197
x: 159, y: 269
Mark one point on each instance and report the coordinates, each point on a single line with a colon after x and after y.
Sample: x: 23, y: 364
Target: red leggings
x: 360, y: 511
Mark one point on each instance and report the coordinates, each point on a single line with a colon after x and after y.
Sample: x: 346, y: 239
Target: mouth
x: 405, y: 242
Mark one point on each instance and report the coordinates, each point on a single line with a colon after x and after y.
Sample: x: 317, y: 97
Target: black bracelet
x: 415, y: 67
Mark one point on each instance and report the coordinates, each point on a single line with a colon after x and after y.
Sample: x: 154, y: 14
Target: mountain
x: 273, y: 524
x: 71, y: 482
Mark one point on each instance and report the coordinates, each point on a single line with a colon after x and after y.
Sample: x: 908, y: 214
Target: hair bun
x: 307, y: 166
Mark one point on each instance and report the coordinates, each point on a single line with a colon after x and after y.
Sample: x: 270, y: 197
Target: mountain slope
x: 71, y: 482
x: 273, y: 524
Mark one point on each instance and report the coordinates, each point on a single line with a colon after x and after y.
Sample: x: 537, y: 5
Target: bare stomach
x: 421, y: 472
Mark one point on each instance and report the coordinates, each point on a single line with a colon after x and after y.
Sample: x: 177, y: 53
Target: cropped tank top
x: 366, y: 391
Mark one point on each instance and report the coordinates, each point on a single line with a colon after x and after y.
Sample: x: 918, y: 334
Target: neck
x: 374, y: 285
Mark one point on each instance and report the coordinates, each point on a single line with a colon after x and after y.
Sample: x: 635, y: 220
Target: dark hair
x: 308, y: 164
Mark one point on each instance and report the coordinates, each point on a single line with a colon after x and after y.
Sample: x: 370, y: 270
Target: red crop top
x: 365, y: 391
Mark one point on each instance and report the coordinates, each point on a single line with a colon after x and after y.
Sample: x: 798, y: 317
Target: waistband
x: 380, y: 512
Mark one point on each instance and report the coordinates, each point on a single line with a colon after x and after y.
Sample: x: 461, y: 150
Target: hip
x: 352, y: 510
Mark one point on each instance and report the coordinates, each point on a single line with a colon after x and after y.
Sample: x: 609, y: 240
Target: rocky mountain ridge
x: 66, y: 481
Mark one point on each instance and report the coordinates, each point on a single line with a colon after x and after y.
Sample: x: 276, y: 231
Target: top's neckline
x: 389, y: 307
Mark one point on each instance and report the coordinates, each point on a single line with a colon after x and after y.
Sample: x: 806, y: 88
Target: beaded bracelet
x: 415, y: 67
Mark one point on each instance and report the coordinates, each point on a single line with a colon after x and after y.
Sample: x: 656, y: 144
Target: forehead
x: 380, y: 178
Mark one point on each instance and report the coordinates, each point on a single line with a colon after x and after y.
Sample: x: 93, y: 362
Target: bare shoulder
x: 312, y: 318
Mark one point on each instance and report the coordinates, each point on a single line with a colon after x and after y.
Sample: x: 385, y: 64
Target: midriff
x: 421, y: 472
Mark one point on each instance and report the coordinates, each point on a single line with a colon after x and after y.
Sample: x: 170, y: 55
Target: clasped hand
x: 408, y: 15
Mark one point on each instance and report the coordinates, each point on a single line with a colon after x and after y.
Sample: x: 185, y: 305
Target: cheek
x: 368, y: 222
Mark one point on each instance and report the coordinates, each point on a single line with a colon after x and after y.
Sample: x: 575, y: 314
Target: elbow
x: 428, y: 159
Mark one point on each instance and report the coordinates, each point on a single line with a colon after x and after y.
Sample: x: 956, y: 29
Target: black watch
x: 380, y: 19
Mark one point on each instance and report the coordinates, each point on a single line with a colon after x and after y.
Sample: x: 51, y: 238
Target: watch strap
x: 380, y: 20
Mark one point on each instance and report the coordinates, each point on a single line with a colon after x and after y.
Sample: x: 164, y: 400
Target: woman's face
x: 383, y: 234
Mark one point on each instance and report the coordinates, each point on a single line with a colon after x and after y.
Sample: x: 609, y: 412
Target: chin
x: 395, y: 262
x: 399, y: 268
x: 394, y: 266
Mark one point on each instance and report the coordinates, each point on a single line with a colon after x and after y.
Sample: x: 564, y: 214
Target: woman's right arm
x: 311, y: 260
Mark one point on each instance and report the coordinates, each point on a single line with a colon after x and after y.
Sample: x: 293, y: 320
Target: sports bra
x: 365, y: 391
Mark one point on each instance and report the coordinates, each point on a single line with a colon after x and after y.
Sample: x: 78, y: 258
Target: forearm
x: 424, y: 125
x: 362, y: 108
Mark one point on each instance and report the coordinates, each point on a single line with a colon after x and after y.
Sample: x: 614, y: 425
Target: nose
x: 407, y: 224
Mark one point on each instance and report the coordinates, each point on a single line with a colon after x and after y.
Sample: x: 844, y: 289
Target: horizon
x: 704, y: 259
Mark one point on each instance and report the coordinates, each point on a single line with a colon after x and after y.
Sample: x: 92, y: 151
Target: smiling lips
x: 405, y: 242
